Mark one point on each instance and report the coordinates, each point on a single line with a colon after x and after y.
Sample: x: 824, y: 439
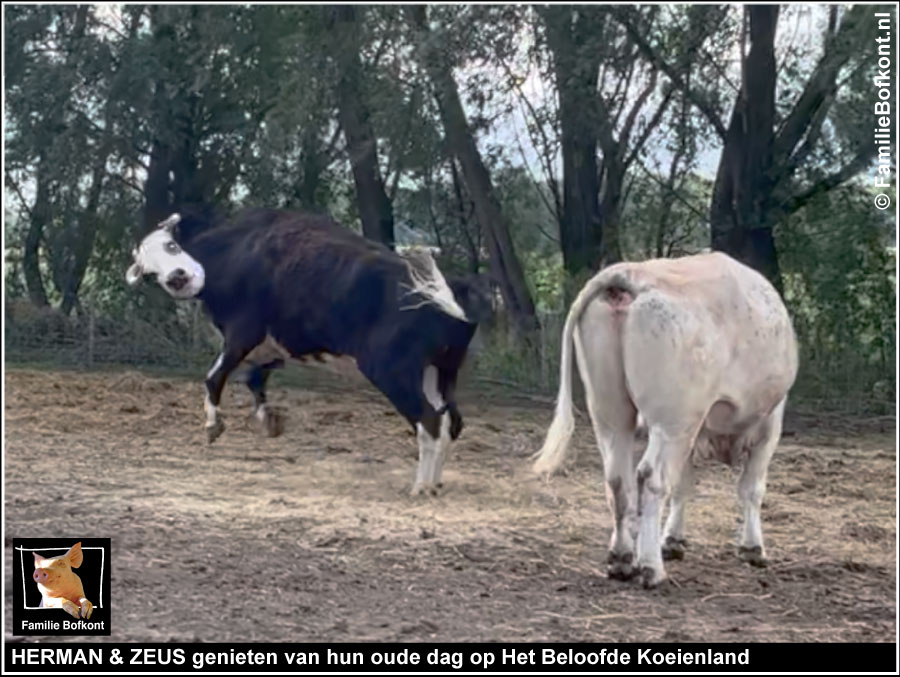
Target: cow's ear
x: 75, y: 556
x: 133, y: 274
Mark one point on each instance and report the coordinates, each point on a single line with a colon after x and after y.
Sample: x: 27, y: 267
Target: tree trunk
x: 157, y: 205
x: 611, y: 210
x: 313, y: 164
x: 85, y: 235
x: 41, y: 213
x: 31, y: 267
x: 86, y: 232
x: 741, y: 202
x: 505, y: 266
x: 472, y: 247
x: 576, y: 68
x: 375, y: 209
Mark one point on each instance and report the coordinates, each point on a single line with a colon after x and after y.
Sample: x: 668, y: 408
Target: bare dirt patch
x: 312, y: 536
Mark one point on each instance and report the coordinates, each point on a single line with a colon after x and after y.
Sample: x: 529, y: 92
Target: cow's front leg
x: 428, y: 437
x: 214, y: 425
x: 237, y: 345
x: 435, y: 442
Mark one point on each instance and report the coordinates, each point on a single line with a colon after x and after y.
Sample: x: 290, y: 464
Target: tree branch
x: 648, y: 130
x: 814, y: 131
x: 674, y: 74
x: 630, y: 119
x: 545, y: 160
x: 695, y: 210
x: 15, y: 186
x: 550, y: 207
x: 614, y: 104
x: 832, y: 181
x: 819, y: 86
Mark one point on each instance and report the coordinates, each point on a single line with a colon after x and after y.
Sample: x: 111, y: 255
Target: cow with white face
x: 161, y: 257
x: 700, y: 353
x: 280, y: 284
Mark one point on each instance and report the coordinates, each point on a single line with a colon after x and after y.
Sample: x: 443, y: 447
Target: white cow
x: 701, y: 351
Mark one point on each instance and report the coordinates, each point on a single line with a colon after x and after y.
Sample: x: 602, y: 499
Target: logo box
x: 30, y: 617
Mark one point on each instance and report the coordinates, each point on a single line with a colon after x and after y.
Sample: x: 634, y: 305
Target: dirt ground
x: 313, y: 536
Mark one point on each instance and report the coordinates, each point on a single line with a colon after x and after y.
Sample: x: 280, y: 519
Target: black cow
x: 306, y: 286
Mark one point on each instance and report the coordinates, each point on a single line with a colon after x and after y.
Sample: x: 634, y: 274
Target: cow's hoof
x: 213, y: 431
x: 753, y: 555
x: 273, y: 424
x: 673, y: 548
x: 424, y: 489
x: 620, y: 566
x: 650, y: 577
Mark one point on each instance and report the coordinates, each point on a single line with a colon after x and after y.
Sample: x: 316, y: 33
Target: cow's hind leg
x: 752, y: 487
x: 617, y: 450
x: 270, y: 421
x: 674, y: 542
x: 657, y: 471
x: 613, y: 417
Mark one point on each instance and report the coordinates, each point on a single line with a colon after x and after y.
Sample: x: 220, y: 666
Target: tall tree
x: 375, y: 209
x: 504, y: 263
x: 45, y: 50
x: 573, y: 37
x: 759, y: 180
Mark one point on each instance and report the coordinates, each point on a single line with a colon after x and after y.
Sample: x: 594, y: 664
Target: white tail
x: 553, y: 453
x: 556, y: 444
x: 428, y: 281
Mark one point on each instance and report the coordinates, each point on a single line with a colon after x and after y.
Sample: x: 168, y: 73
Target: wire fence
x: 91, y: 339
x: 186, y: 341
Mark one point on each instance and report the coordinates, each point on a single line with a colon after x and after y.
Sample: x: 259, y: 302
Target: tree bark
x: 313, y: 164
x: 505, y: 266
x: 31, y: 266
x: 375, y: 209
x: 741, y: 204
x: 611, y: 210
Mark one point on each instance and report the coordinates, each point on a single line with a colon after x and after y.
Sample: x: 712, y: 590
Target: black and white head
x: 161, y: 256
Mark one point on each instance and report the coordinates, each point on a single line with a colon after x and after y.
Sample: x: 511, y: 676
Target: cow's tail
x: 556, y: 444
x: 428, y: 282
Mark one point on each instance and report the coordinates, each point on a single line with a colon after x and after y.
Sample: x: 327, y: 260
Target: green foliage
x: 840, y: 285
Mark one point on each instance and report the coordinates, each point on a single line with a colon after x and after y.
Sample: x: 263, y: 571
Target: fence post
x: 91, y: 321
x: 194, y: 308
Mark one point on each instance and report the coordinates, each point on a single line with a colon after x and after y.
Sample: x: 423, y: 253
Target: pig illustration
x: 59, y: 585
